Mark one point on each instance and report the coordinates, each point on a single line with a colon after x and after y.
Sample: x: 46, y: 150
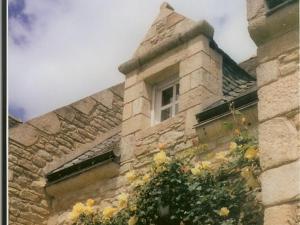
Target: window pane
x: 177, y: 91
x: 165, y: 114
x: 166, y: 96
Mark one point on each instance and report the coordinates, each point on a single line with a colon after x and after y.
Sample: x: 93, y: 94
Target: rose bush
x: 176, y: 191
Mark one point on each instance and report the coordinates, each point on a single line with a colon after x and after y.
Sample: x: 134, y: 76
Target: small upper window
x: 166, y: 100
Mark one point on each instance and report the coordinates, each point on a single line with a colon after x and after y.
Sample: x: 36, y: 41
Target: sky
x: 60, y: 51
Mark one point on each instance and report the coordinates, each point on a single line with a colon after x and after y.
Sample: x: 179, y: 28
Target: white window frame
x: 157, y: 97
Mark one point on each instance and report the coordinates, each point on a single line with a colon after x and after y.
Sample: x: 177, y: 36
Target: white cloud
x: 75, y: 46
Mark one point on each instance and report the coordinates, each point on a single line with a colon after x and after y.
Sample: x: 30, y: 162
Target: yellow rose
x: 224, y: 211
x: 232, y: 146
x: 108, y: 212
x: 146, y: 177
x: 161, y: 169
x: 90, y: 202
x: 74, y: 215
x: 206, y: 165
x: 252, y: 182
x: 133, y: 208
x: 132, y: 220
x: 123, y: 200
x: 88, y: 210
x: 78, y: 207
x: 246, y: 172
x: 160, y: 158
x: 221, y: 156
x: 251, y: 153
x: 131, y: 176
x: 237, y: 132
x: 248, y: 176
x: 138, y: 182
x: 196, y: 171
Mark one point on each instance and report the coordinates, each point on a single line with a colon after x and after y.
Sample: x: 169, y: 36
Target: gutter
x: 241, y: 102
x: 81, y: 167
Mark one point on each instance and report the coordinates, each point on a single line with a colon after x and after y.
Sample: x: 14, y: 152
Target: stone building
x: 178, y: 87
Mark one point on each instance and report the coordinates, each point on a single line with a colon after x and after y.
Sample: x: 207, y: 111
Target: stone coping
x: 201, y: 27
x: 86, y: 147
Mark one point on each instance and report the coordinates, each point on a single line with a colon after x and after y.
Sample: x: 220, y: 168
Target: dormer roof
x: 169, y: 30
x: 166, y: 25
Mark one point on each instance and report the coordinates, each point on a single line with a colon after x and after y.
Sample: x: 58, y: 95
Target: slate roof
x: 238, y: 86
x: 100, y: 153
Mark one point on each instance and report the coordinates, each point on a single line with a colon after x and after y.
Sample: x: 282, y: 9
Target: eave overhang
x: 76, y: 169
x: 223, y: 109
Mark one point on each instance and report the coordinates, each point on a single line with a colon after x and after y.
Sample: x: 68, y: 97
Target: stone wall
x: 12, y: 122
x: 42, y: 143
x: 277, y: 37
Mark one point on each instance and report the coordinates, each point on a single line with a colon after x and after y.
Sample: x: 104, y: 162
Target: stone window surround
x: 156, y: 98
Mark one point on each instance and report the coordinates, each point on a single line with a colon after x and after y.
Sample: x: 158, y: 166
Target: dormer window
x: 165, y: 100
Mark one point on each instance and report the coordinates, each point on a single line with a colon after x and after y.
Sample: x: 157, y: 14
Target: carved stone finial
x: 166, y: 5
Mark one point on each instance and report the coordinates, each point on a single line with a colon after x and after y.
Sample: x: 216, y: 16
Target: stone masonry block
x: 134, y: 124
x: 279, y: 97
x: 104, y: 97
x: 197, y: 44
x: 169, y: 138
x: 198, y: 95
x: 191, y: 120
x: 138, y: 90
x: 267, y: 72
x: 127, y: 148
x: 131, y: 79
x: 24, y: 134
x: 127, y: 111
x: 194, y: 62
x: 173, y: 18
x: 216, y: 66
x: 169, y: 59
x: 48, y: 123
x: 141, y: 105
x: 85, y: 105
x: 291, y: 56
x: 281, y: 215
x: 281, y: 184
x: 255, y: 8
x: 66, y: 112
x: 208, y: 80
x: 278, y: 46
x: 289, y: 67
x: 118, y: 89
x: 279, y: 142
x: 185, y: 84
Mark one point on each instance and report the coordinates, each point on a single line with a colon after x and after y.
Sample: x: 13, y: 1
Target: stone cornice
x: 270, y: 25
x: 201, y: 27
